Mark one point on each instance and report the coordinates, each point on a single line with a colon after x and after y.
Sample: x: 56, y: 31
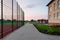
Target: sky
x: 34, y: 9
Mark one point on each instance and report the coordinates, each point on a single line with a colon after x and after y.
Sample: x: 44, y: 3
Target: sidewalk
x: 29, y: 32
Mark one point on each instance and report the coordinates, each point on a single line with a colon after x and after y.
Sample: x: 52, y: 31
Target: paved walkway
x: 29, y: 32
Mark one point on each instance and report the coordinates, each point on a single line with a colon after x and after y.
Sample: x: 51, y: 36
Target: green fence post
x: 12, y: 15
x: 1, y: 18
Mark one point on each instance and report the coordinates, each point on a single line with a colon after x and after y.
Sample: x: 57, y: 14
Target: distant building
x: 54, y: 13
x: 42, y: 21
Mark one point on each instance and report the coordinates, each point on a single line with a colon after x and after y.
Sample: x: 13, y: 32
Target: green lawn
x: 10, y: 22
x: 47, y: 29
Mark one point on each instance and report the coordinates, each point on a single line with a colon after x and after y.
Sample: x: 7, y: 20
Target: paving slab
x: 29, y: 32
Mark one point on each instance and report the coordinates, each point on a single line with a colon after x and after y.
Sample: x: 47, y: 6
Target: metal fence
x: 11, y: 17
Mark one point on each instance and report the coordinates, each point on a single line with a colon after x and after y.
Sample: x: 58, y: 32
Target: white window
x: 56, y: 5
x: 49, y: 16
x: 59, y: 3
x: 50, y: 8
x: 56, y: 15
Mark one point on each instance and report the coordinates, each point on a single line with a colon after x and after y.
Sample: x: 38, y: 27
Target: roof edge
x: 50, y: 2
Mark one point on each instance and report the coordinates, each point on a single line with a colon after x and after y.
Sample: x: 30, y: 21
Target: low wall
x: 54, y: 24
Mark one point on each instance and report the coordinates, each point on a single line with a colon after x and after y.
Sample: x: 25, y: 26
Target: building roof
x: 42, y: 19
x: 50, y: 2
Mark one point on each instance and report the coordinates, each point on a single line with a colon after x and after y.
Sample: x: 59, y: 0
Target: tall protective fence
x: 11, y: 17
x: 0, y: 18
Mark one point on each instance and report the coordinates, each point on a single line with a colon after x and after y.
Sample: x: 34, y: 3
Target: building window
x: 59, y: 2
x: 54, y: 6
x: 49, y: 16
x: 56, y: 15
x: 50, y: 8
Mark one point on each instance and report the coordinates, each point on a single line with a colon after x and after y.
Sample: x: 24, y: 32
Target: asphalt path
x: 29, y: 32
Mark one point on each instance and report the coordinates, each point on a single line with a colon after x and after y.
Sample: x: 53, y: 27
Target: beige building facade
x: 54, y: 13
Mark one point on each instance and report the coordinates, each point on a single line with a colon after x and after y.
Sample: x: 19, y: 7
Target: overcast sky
x: 34, y: 9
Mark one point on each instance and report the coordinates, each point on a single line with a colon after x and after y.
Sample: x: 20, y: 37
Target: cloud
x: 32, y: 5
